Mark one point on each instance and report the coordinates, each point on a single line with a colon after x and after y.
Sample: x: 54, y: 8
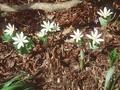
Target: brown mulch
x: 55, y: 66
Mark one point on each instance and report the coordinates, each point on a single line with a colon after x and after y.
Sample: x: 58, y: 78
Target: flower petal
x: 89, y: 36
x: 99, y: 35
x: 15, y: 39
x: 96, y: 32
x: 101, y: 40
x: 25, y: 41
x: 72, y: 36
x: 19, y: 46
x: 15, y: 42
x: 17, y: 36
x: 21, y: 35
x: 105, y: 10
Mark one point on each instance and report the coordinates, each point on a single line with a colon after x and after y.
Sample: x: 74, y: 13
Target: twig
x: 48, y: 7
x: 8, y: 54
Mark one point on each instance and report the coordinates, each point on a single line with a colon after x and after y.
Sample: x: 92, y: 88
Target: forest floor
x: 56, y: 65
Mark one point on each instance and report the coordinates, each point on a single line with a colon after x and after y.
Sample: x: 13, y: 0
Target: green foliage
x: 27, y: 48
x: 81, y: 57
x: 109, y: 81
x: 93, y: 46
x: 104, y: 21
x: 79, y: 43
x: 6, y: 37
x: 29, y: 45
x: 113, y: 57
x: 108, y: 77
x: 22, y: 50
x: 17, y: 83
x: 43, y: 39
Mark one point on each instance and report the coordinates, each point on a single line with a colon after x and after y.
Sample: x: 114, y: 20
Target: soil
x: 56, y: 65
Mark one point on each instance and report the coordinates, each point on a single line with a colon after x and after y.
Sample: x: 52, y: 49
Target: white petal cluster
x: 50, y: 27
x: 47, y: 26
x: 56, y: 27
x: 105, y: 13
x: 95, y: 37
x: 41, y: 33
x: 9, y: 29
x: 20, y: 40
x: 77, y: 35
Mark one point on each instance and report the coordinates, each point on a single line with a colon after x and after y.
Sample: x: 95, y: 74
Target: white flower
x: 105, y: 13
x: 47, y: 26
x: 9, y: 29
x: 77, y: 35
x: 20, y: 40
x: 41, y: 33
x: 95, y: 37
x: 56, y: 27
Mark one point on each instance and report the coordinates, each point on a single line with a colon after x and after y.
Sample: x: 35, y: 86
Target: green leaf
x: 22, y: 50
x: 109, y: 19
x: 19, y: 86
x: 113, y: 57
x: 17, y: 83
x: 103, y: 22
x: 43, y: 39
x: 12, y: 80
x: 6, y: 37
x: 93, y: 46
x: 29, y: 45
x: 109, y: 75
x: 82, y: 55
x: 81, y: 59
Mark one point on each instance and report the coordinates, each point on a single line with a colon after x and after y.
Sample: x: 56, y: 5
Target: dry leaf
x: 68, y: 30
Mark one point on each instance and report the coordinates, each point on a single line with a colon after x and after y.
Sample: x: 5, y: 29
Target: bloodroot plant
x: 42, y: 36
x: 94, y: 39
x: 77, y: 37
x: 110, y: 81
x: 94, y: 43
x: 105, y: 16
x: 47, y: 27
x: 22, y: 43
x: 8, y: 33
